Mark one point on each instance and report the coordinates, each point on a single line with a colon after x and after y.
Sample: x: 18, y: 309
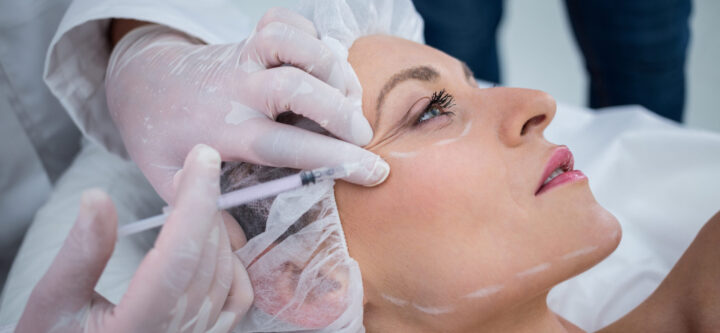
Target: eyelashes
x: 433, y: 111
x: 439, y: 105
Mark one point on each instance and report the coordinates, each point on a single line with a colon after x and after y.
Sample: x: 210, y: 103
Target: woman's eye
x: 430, y: 112
x: 439, y: 104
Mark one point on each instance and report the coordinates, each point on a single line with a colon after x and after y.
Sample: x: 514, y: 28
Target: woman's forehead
x: 381, y: 56
x: 377, y: 58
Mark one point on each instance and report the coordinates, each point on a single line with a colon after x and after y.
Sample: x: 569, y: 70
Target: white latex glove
x: 189, y: 282
x: 167, y: 92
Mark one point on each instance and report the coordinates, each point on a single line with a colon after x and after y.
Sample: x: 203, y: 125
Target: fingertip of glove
x: 206, y: 155
x: 361, y: 131
x: 379, y: 172
x: 95, y: 202
x: 97, y: 222
x: 93, y: 197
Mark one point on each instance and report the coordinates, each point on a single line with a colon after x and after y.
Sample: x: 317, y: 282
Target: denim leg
x: 465, y: 29
x: 635, y: 51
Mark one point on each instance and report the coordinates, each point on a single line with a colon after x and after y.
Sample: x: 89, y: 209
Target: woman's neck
x: 532, y: 316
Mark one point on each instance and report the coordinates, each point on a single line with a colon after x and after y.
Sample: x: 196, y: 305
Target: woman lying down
x: 478, y: 220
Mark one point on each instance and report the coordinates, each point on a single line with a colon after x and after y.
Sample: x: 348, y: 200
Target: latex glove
x: 189, y: 282
x: 167, y: 92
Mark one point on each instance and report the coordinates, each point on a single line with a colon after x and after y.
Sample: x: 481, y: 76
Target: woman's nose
x: 524, y: 114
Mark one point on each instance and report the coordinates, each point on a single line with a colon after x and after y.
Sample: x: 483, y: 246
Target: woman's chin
x: 575, y: 209
x: 609, y: 230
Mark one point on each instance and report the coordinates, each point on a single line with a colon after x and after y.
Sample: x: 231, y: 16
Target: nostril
x: 532, y: 122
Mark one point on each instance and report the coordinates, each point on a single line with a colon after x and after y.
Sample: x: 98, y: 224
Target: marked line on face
x: 533, y: 270
x: 485, y: 292
x: 452, y: 140
x: 394, y: 300
x: 402, y: 154
x: 434, y: 310
x: 579, y: 252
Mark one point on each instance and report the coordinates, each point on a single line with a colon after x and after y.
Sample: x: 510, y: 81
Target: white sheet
x: 661, y: 180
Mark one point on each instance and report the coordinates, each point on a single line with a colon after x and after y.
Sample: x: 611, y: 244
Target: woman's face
x: 458, y: 233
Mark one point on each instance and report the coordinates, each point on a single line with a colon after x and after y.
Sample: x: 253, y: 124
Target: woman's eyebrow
x: 422, y: 73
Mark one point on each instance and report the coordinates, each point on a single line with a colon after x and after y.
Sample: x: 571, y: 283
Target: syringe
x: 248, y: 194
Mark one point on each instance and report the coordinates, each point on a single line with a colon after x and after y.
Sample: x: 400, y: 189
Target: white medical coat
x: 79, y: 52
x: 37, y: 138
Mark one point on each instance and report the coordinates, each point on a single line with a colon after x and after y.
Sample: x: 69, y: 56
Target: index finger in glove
x: 289, y: 89
x: 287, y: 16
x: 279, y: 43
x: 281, y: 145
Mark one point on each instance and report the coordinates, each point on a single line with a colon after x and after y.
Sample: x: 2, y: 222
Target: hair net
x: 296, y: 255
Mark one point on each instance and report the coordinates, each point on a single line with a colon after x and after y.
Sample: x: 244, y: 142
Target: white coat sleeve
x: 78, y: 54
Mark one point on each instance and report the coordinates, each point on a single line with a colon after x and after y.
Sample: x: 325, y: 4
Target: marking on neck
x: 577, y: 253
x: 533, y: 270
x: 394, y: 300
x: 434, y: 310
x: 485, y: 292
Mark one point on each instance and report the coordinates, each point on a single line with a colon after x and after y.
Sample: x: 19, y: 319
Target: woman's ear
x: 308, y: 299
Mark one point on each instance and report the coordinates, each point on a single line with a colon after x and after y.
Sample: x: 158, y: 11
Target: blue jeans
x: 635, y: 50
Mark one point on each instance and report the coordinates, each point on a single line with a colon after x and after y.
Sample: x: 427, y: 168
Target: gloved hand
x: 167, y: 91
x: 189, y: 282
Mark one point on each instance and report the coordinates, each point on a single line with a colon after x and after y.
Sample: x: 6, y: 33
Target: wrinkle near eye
x: 400, y: 125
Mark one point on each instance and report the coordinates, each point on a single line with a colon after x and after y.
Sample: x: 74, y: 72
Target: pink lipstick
x: 559, y: 171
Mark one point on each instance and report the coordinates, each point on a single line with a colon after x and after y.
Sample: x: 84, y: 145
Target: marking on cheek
x: 485, y: 292
x: 402, y: 154
x: 462, y: 135
x: 394, y: 300
x: 466, y: 130
x: 533, y: 270
x: 445, y: 142
x: 434, y: 310
x: 579, y: 252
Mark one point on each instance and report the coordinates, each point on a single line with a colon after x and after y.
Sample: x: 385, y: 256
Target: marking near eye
x: 402, y: 154
x: 452, y: 140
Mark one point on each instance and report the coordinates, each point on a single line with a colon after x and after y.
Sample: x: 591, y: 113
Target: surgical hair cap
x: 296, y: 256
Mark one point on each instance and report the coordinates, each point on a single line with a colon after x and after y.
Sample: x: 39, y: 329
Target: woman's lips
x: 561, y: 158
x: 565, y: 177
